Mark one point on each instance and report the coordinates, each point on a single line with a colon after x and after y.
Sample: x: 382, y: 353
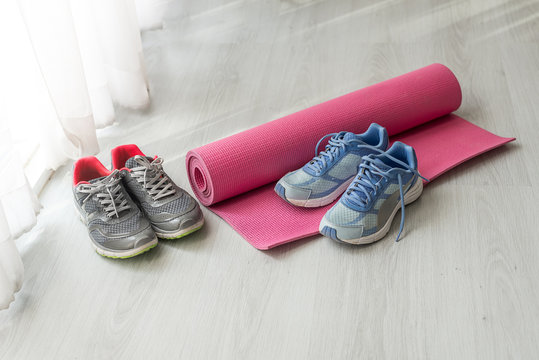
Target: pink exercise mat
x: 235, y: 176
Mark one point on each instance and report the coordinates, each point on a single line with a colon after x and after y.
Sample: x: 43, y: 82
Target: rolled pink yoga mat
x: 235, y: 176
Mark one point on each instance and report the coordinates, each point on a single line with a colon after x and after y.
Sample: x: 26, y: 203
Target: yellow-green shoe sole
x: 129, y: 256
x: 180, y: 236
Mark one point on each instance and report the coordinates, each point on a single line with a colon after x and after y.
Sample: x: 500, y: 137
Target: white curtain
x: 150, y: 13
x: 68, y: 62
x: 18, y: 207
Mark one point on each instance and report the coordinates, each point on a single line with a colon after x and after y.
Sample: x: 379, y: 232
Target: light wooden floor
x: 462, y: 284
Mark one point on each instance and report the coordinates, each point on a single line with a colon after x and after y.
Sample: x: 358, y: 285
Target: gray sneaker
x: 172, y: 212
x: 115, y: 224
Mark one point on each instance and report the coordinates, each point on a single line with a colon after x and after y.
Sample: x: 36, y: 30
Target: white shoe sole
x: 412, y: 195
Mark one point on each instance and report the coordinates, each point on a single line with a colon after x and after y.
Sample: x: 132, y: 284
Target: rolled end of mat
x: 199, y: 178
x: 455, y: 89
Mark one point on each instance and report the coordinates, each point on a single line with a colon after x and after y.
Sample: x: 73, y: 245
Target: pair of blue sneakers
x: 374, y: 182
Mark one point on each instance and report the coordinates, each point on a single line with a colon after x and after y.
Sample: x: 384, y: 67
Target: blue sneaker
x: 385, y: 183
x: 327, y: 175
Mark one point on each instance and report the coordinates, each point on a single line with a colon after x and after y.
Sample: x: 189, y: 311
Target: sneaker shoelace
x: 334, y: 149
x: 365, y: 186
x: 152, y: 177
x: 109, y: 194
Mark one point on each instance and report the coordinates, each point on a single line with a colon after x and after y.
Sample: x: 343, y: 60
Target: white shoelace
x: 152, y: 177
x: 109, y: 194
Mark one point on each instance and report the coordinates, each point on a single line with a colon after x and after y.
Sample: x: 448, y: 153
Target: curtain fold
x: 70, y: 61
x: 119, y: 36
x: 55, y: 44
x: 18, y: 209
x: 11, y: 271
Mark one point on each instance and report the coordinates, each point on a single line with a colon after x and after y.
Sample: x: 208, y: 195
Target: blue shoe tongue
x: 346, y: 137
x: 382, y: 166
x: 349, y: 136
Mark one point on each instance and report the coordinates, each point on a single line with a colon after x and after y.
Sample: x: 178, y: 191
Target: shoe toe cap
x: 339, y: 232
x: 292, y: 192
x: 134, y: 241
x: 180, y: 222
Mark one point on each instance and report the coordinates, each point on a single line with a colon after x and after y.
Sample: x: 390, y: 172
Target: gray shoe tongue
x: 106, y: 179
x: 132, y: 163
x: 96, y: 180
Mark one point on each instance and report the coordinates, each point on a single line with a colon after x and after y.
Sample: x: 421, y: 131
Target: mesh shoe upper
x: 325, y: 184
x: 369, y: 219
x: 110, y: 214
x: 371, y: 198
x: 176, y: 201
x: 338, y: 163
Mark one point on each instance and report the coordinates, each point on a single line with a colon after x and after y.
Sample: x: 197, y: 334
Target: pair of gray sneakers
x: 128, y: 208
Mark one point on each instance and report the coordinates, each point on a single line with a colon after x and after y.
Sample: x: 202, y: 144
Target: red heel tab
x: 121, y: 153
x: 88, y: 168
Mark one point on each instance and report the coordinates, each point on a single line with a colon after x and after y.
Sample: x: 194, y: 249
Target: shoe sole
x: 179, y: 234
x: 126, y: 254
x: 412, y: 195
x: 319, y: 202
x: 120, y: 254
